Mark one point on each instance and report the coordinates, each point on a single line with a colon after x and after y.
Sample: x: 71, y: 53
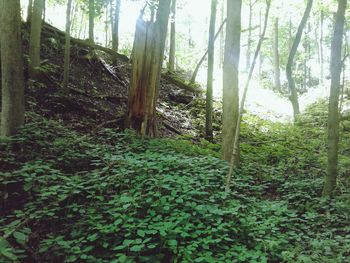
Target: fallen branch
x: 172, y: 128
x: 180, y: 83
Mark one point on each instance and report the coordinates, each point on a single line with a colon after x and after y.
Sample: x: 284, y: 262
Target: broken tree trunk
x: 149, y: 44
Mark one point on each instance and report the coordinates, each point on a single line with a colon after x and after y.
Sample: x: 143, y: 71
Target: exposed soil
x: 98, y: 89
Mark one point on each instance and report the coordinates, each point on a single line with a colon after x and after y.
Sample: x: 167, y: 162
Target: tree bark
x: 231, y: 78
x: 149, y: 44
x: 235, y: 148
x: 249, y: 35
x: 115, y: 34
x: 35, y: 36
x: 199, y: 64
x: 12, y: 105
x: 321, y: 47
x: 91, y: 21
x: 222, y: 36
x: 209, y: 95
x: 276, y: 58
x: 171, y: 64
x: 67, y: 47
x: 333, y: 110
x: 291, y: 83
x: 29, y: 11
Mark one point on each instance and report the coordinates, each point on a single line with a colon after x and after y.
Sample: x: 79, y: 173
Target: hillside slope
x: 98, y: 87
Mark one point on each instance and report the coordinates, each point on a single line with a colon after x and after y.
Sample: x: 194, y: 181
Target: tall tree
x: 276, y: 57
x: 291, y: 83
x: 200, y: 62
x: 115, y: 27
x: 91, y: 21
x: 171, y: 64
x: 147, y: 60
x: 333, y: 108
x: 235, y: 148
x: 231, y: 78
x: 222, y: 36
x: 321, y: 45
x: 249, y: 41
x: 67, y: 46
x: 12, y: 104
x: 29, y: 10
x: 35, y: 35
x: 209, y: 95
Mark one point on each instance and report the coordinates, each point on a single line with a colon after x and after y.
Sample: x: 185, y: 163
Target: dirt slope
x: 98, y: 88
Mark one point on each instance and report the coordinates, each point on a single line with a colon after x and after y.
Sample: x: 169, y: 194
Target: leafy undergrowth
x: 115, y: 198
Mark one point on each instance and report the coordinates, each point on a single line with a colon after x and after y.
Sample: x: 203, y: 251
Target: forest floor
x: 98, y: 89
x: 75, y: 187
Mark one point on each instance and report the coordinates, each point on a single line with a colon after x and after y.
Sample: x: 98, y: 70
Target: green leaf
x: 20, y: 237
x: 172, y: 243
x: 141, y: 233
x: 137, y: 248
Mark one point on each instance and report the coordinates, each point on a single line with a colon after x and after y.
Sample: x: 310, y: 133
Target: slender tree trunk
x: 249, y: 42
x: 321, y: 47
x: 35, y: 36
x: 171, y: 64
x: 333, y: 111
x: 276, y: 58
x: 74, y: 12
x: 260, y: 31
x: 67, y: 47
x: 81, y: 26
x: 149, y: 45
x: 106, y: 26
x: 12, y: 104
x: 235, y: 145
x: 29, y: 11
x: 231, y: 78
x: 44, y: 10
x: 304, y: 62
x: 199, y: 64
x: 91, y: 21
x: 222, y: 36
x: 290, y: 39
x: 209, y: 95
x: 291, y: 83
x: 115, y: 34
x: 308, y: 43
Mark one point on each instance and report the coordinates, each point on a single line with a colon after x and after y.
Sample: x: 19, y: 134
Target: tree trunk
x: 291, y: 83
x: 276, y: 58
x: 171, y: 64
x: 29, y: 11
x: 115, y: 34
x: 195, y: 72
x: 74, y: 20
x: 106, y: 26
x: 321, y: 46
x: 67, y: 47
x: 12, y: 105
x: 44, y: 11
x: 91, y: 21
x: 230, y: 78
x: 222, y: 36
x: 149, y: 44
x: 35, y: 36
x: 235, y: 148
x: 333, y: 111
x: 249, y: 42
x: 209, y: 95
